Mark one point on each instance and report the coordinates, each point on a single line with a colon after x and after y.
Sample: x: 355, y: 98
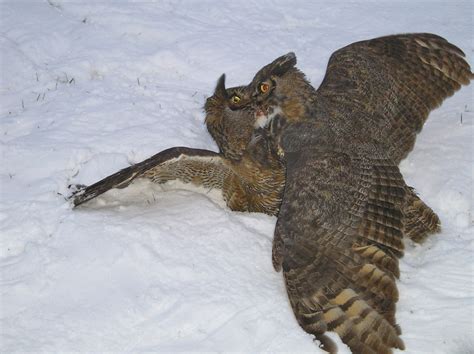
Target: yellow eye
x: 264, y: 87
x: 235, y: 99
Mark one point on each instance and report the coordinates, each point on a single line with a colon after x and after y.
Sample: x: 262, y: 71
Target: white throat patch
x: 264, y: 120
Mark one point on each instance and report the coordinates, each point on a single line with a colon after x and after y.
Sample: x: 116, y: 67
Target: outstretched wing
x: 390, y: 84
x: 338, y: 239
x: 246, y: 185
x: 203, y: 167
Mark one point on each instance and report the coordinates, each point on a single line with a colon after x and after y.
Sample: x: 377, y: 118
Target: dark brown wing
x: 390, y: 84
x: 173, y: 163
x: 338, y: 239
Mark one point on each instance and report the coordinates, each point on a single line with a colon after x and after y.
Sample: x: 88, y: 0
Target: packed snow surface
x: 89, y: 87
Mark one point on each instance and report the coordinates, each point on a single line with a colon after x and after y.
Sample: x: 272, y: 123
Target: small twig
x: 37, y: 79
x: 72, y: 80
x: 37, y: 98
x: 44, y: 94
x: 23, y: 104
x: 138, y: 80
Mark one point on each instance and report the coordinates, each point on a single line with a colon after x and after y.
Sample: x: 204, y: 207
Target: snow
x: 89, y: 87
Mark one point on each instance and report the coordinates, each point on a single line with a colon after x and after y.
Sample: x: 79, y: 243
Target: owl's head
x: 230, y: 118
x: 279, y: 87
x: 277, y: 69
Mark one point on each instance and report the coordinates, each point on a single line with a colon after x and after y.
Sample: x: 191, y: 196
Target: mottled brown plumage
x: 345, y: 205
x: 393, y: 83
x: 230, y: 123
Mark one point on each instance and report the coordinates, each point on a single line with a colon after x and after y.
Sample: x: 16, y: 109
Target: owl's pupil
x: 264, y: 87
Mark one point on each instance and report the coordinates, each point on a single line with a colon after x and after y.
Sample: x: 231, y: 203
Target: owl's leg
x: 420, y: 220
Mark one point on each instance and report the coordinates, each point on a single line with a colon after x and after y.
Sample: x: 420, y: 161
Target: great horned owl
x: 245, y: 183
x: 340, y: 227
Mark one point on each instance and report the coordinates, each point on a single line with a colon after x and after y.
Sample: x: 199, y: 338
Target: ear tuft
x: 220, y: 87
x: 282, y: 64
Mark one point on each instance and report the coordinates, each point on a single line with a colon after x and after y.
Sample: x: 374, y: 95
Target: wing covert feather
x: 390, y: 85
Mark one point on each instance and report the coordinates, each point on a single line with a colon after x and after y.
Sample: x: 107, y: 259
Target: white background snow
x: 88, y: 87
